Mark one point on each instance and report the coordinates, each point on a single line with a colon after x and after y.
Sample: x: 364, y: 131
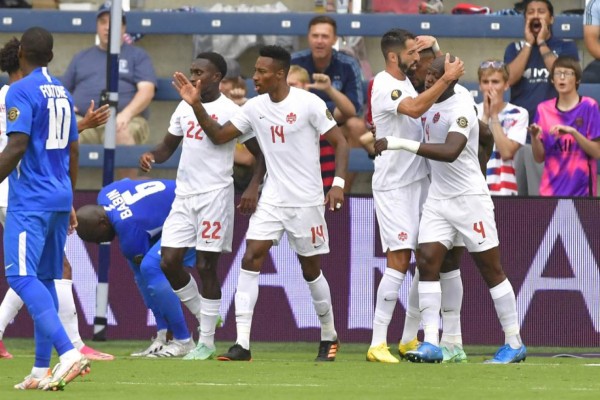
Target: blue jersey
x: 535, y: 85
x: 344, y: 72
x: 40, y: 107
x: 137, y: 210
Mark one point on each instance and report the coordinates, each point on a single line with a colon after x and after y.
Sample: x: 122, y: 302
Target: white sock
x: 387, y: 297
x: 321, y: 298
x: 412, y: 320
x: 38, y: 372
x: 67, y: 311
x: 9, y: 308
x: 246, y: 295
x: 452, y: 295
x: 190, y: 297
x: 70, y: 357
x: 506, y: 308
x: 430, y: 300
x: 208, y: 322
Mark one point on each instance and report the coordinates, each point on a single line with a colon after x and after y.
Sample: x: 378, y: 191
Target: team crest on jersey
x: 396, y: 93
x: 328, y: 114
x: 215, y: 117
x: 291, y: 118
x: 462, y: 122
x: 579, y: 122
x: 436, y: 117
x: 13, y: 114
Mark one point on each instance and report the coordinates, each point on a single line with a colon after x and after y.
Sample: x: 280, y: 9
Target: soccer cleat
x: 201, y: 352
x: 95, y: 355
x: 405, y: 348
x: 426, y: 353
x: 236, y: 353
x: 454, y: 354
x: 508, y: 355
x: 175, y: 348
x: 157, y: 345
x: 381, y: 353
x: 30, y: 382
x: 3, y: 352
x: 63, y: 374
x: 328, y: 350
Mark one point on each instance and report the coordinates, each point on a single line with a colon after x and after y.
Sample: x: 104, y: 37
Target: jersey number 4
x: 59, y: 123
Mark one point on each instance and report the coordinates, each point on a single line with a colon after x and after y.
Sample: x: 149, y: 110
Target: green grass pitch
x: 287, y: 371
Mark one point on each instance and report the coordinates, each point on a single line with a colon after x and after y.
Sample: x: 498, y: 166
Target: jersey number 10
x: 59, y: 123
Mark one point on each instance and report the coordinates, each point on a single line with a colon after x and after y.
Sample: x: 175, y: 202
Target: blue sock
x: 48, y: 329
x: 163, y: 295
x: 161, y: 322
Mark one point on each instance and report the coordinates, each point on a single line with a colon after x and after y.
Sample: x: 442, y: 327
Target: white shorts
x: 305, y: 227
x: 471, y: 217
x: 203, y: 221
x: 398, y: 214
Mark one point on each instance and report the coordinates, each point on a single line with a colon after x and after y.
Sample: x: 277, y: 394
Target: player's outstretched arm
x: 249, y: 198
x: 12, y: 153
x: 335, y: 197
x: 446, y: 152
x: 93, y: 118
x: 161, y: 153
x: 216, y: 132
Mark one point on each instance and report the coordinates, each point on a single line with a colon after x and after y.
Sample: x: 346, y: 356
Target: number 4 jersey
x: 40, y: 107
x: 137, y: 211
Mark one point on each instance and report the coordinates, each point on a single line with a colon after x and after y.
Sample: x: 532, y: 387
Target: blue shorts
x: 34, y: 243
x: 189, y: 259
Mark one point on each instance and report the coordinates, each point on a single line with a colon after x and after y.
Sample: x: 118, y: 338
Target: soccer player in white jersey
x: 400, y: 182
x: 12, y: 303
x: 458, y: 203
x: 508, y: 124
x: 288, y: 123
x: 203, y: 211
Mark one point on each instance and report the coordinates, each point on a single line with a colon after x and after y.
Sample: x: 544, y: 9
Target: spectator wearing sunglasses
x: 529, y: 61
x: 508, y: 124
x: 565, y: 135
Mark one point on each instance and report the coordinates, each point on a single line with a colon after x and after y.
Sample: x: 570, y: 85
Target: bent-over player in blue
x: 135, y: 211
x: 41, y: 157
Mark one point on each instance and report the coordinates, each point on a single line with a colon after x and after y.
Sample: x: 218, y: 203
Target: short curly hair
x: 9, y: 56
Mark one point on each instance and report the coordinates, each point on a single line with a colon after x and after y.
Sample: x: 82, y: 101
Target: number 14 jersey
x: 288, y: 134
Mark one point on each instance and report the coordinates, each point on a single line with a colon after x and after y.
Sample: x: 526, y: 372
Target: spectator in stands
x: 233, y: 85
x: 343, y: 71
x: 298, y: 77
x: 508, y: 124
x: 565, y: 135
x: 591, y: 38
x: 529, y: 61
x: 85, y: 78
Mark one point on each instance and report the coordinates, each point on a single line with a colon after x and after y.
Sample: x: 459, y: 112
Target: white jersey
x: 501, y: 177
x: 394, y: 169
x: 3, y: 142
x: 203, y: 166
x: 288, y: 133
x: 463, y: 176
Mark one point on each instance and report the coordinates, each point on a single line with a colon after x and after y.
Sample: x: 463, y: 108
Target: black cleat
x: 236, y: 353
x: 327, y: 350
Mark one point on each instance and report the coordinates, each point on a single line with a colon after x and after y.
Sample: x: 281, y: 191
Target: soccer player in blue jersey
x: 41, y: 157
x: 135, y: 211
